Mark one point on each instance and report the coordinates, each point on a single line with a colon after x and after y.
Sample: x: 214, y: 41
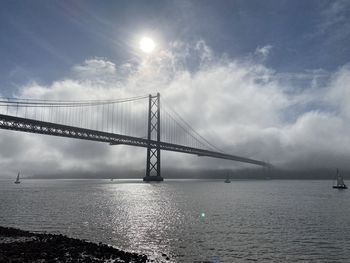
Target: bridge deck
x: 33, y: 126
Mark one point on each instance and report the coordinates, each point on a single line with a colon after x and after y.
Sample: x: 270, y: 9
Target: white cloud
x: 239, y: 105
x: 333, y: 24
x: 339, y: 91
x: 333, y: 15
x: 263, y: 52
x: 96, y: 68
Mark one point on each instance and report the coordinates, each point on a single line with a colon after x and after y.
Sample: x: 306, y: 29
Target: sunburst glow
x: 147, y: 44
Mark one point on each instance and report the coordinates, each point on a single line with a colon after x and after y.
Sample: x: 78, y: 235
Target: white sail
x: 340, y: 180
x: 227, y: 178
x: 17, y: 180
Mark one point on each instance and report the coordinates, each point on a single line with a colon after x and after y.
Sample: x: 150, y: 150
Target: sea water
x: 190, y: 220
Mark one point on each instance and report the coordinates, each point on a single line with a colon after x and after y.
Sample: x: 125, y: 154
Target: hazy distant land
x: 324, y: 174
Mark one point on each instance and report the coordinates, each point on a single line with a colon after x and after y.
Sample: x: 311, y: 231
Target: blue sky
x: 42, y: 40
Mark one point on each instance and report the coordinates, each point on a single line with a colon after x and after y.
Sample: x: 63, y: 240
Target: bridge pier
x: 153, y: 151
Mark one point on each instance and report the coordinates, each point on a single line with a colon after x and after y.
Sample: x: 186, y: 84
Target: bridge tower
x: 153, y: 149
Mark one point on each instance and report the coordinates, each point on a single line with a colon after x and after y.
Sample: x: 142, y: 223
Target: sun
x: 147, y: 44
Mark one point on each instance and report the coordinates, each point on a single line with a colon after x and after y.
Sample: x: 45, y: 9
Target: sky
x: 263, y: 79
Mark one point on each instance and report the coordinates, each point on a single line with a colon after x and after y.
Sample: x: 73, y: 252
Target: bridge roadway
x: 33, y: 126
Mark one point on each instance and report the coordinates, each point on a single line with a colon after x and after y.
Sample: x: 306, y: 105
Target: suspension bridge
x: 134, y: 121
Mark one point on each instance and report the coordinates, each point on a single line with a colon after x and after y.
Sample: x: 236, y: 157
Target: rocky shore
x: 23, y: 246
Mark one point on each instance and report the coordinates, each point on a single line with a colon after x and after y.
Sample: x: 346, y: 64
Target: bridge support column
x: 153, y: 150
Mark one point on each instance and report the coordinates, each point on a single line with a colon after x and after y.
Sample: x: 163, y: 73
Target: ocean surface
x: 190, y: 220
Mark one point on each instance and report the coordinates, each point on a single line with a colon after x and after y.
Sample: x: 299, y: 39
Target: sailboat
x: 340, y: 182
x: 17, y: 179
x: 227, y: 178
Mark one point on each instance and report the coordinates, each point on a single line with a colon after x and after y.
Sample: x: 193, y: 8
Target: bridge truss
x: 153, y: 142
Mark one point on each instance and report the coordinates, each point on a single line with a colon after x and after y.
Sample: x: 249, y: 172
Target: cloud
x: 263, y: 52
x: 334, y: 15
x: 96, y: 68
x: 333, y: 24
x: 339, y: 92
x: 241, y: 106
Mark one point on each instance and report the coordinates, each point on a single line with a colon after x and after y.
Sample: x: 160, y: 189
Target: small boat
x: 17, y: 179
x: 340, y: 182
x: 228, y: 178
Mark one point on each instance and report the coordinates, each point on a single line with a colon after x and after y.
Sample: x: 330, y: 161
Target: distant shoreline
x: 174, y: 179
x: 139, y: 180
x: 184, y: 174
x: 244, y: 174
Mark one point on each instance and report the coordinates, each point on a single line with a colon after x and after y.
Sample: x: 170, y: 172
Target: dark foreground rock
x: 23, y: 246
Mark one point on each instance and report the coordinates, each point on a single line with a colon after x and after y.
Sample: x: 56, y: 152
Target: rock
x: 59, y: 248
